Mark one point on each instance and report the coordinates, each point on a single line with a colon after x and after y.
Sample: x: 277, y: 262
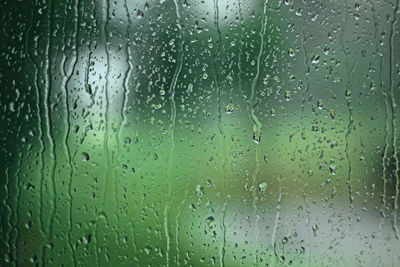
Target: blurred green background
x: 200, y: 133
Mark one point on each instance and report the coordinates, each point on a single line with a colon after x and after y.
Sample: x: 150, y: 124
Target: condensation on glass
x: 200, y: 133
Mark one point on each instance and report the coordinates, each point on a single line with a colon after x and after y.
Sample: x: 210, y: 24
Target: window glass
x: 200, y: 133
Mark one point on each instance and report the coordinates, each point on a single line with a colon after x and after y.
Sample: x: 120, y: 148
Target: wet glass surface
x: 200, y: 133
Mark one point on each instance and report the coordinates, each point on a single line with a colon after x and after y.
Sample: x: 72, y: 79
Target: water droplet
x: 229, y: 108
x: 189, y: 88
x: 291, y: 52
x: 332, y: 114
x: 147, y: 249
x: 315, y: 228
x: 12, y: 107
x: 332, y: 169
x: 287, y: 95
x: 210, y: 219
x: 140, y: 14
x: 262, y: 187
x: 200, y: 190
x: 257, y: 137
x: 320, y: 104
x: 88, y: 89
x: 315, y: 59
x: 85, y: 156
x: 266, y: 159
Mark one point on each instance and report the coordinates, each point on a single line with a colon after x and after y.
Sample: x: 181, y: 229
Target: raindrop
x: 85, y: 156
x: 315, y: 59
x: 315, y: 228
x: 128, y: 140
x: 262, y: 187
x: 332, y: 169
x: 257, y: 137
x: 320, y: 104
x: 210, y: 219
x: 287, y: 95
x: 200, y: 190
x: 291, y: 52
x: 229, y: 108
x: 88, y: 89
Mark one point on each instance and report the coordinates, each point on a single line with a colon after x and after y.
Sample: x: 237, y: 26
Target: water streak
x: 106, y: 114
x: 256, y: 123
x: 394, y: 122
x: 386, y: 146
x: 172, y: 89
x: 49, y: 81
x: 36, y: 68
x: 69, y: 75
x: 348, y: 102
x: 252, y: 101
x: 276, y: 228
x: 221, y: 130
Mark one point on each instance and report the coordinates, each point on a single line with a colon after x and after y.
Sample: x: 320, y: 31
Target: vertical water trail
x: 251, y: 103
x: 349, y: 75
x: 303, y: 134
x: 349, y: 127
x: 386, y: 145
x: 177, y: 223
x: 385, y: 158
x: 106, y: 113
x: 96, y: 235
x: 6, y: 203
x: 18, y: 176
x: 306, y: 73
x: 350, y: 117
x: 134, y: 241
x: 240, y: 46
x: 307, y: 223
x: 171, y: 130
x: 88, y: 88
x: 394, y: 117
x: 255, y: 200
x: 221, y: 130
x: 110, y: 160
x: 41, y: 140
x: 115, y: 153
x: 50, y: 135
x: 17, y: 207
x: 276, y: 229
x: 128, y: 72
x: 69, y: 75
x: 123, y: 120
x: 28, y: 53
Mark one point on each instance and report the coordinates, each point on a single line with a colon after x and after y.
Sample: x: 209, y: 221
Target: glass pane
x: 200, y: 133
